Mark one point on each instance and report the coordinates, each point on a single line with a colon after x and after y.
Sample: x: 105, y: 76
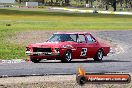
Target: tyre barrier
x: 12, y: 61
x: 32, y: 7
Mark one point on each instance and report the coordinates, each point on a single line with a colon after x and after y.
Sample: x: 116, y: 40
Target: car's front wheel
x: 35, y: 60
x: 67, y: 57
x: 99, y: 55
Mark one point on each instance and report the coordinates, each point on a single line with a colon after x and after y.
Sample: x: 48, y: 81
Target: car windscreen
x: 63, y: 38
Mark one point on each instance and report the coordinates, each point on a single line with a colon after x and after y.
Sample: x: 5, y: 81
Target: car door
x: 81, y: 47
x: 92, y: 45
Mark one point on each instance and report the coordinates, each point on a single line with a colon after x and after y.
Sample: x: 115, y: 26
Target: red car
x: 68, y: 46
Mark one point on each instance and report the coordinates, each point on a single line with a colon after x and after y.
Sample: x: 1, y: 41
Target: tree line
x: 100, y: 3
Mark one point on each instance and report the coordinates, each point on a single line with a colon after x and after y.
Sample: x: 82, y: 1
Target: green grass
x: 23, y: 20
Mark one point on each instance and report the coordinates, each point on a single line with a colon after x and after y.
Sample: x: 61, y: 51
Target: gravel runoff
x: 52, y: 81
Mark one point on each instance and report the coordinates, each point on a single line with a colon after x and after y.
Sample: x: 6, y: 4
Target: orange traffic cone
x: 28, y: 60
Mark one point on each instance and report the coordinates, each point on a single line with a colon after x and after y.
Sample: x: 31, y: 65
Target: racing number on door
x: 84, y: 52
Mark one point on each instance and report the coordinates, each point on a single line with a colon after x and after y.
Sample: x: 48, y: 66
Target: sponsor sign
x: 83, y: 77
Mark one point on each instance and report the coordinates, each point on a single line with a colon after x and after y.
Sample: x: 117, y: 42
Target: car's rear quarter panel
x: 106, y: 50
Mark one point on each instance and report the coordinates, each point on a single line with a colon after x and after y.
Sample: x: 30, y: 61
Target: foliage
x: 102, y: 3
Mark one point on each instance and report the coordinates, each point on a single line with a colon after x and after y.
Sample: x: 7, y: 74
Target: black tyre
x: 99, y: 55
x: 67, y: 57
x: 35, y: 60
x: 81, y: 80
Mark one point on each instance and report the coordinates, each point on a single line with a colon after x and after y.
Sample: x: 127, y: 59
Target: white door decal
x: 84, y: 52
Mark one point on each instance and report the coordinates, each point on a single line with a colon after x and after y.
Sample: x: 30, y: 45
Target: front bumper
x: 42, y: 53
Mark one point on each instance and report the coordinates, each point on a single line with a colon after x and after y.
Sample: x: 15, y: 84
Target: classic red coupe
x: 67, y: 46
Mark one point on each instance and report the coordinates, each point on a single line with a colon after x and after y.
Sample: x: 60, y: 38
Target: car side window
x: 81, y: 38
x: 90, y: 39
x: 74, y: 37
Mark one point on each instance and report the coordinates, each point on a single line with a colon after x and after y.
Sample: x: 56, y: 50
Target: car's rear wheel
x: 35, y: 60
x: 99, y: 55
x: 67, y: 57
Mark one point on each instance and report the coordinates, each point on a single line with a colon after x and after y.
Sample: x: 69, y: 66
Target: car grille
x: 42, y: 50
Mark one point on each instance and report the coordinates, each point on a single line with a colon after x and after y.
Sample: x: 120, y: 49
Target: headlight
x: 56, y: 50
x: 27, y: 49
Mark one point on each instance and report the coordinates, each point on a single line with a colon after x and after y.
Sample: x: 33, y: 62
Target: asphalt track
x: 89, y: 11
x: 121, y: 62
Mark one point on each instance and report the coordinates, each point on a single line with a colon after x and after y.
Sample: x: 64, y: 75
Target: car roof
x: 72, y: 33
